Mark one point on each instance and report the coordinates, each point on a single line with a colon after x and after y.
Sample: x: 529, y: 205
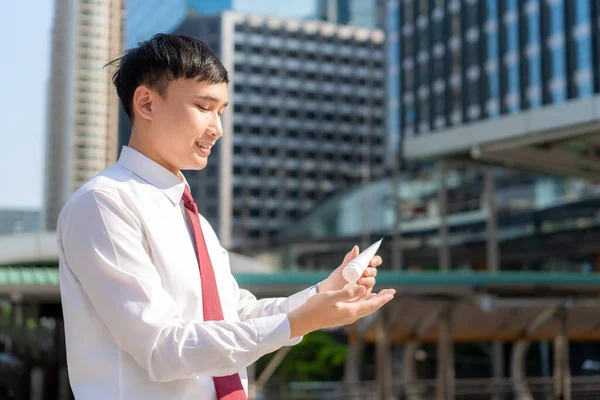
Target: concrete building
x: 306, y: 118
x: 18, y: 221
x: 82, y: 103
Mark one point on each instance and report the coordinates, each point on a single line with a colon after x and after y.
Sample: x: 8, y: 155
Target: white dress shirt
x: 131, y: 293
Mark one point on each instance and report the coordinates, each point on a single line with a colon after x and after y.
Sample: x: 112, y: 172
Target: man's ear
x: 142, y: 102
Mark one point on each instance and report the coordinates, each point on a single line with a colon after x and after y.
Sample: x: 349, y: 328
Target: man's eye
x: 203, y: 108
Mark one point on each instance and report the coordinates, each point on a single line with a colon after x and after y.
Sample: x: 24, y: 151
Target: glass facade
x: 468, y: 60
x: 492, y: 63
x: 438, y: 65
x: 582, y: 49
x: 532, y: 55
x: 510, y: 50
x: 555, y: 51
x: 145, y: 18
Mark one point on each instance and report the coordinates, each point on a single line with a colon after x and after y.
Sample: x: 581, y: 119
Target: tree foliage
x: 318, y: 357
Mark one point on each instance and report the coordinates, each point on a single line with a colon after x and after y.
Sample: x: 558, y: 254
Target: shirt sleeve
x: 249, y: 307
x: 105, y: 249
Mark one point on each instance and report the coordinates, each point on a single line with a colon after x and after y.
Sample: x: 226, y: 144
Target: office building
x: 359, y: 13
x: 146, y: 18
x: 506, y: 82
x: 473, y: 60
x: 306, y: 118
x: 82, y: 103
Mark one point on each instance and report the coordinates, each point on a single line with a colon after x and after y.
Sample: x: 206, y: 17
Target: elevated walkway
x: 561, y: 139
x: 482, y: 306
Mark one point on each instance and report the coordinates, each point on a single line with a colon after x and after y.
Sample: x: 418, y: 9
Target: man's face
x: 186, y: 123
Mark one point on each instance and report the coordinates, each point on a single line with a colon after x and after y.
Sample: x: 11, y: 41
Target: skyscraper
x: 471, y: 60
x: 146, y: 18
x: 361, y: 13
x: 82, y: 104
x: 306, y: 118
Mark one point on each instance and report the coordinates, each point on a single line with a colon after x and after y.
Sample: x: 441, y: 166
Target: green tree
x: 318, y: 357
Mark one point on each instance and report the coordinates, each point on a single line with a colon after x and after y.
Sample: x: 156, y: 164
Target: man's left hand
x: 335, y: 281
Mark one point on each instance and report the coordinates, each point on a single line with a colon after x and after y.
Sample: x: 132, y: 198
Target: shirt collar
x: 153, y: 173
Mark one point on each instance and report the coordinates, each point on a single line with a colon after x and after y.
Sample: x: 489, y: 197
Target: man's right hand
x: 336, y: 308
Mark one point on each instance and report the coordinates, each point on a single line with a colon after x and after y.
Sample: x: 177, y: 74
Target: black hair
x: 160, y: 60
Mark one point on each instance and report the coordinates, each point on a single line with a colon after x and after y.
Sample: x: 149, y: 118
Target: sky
x: 24, y: 71
x: 23, y: 78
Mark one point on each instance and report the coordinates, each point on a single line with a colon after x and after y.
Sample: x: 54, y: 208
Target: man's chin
x: 197, y: 165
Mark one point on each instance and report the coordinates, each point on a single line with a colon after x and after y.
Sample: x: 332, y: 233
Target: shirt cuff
x: 297, y: 299
x: 273, y: 333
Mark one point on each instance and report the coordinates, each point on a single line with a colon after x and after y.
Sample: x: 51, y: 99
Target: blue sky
x: 23, y: 75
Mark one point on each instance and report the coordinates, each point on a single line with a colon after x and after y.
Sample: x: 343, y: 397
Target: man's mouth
x: 203, y: 148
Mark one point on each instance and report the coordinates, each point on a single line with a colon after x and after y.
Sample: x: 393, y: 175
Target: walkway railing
x: 582, y: 388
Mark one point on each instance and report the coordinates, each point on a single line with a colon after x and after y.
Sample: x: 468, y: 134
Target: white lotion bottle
x: 356, y: 267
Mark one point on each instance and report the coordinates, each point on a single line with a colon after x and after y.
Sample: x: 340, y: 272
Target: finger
x: 351, y: 254
x: 370, y: 272
x: 348, y: 292
x: 368, y: 283
x: 369, y: 306
x: 376, y: 261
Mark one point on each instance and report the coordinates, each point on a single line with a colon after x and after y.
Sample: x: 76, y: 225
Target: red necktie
x: 227, y: 387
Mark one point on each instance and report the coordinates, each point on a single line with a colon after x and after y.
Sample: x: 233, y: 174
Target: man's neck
x: 137, y: 143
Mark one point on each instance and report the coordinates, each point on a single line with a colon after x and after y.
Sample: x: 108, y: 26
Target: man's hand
x: 336, y: 308
x: 336, y: 281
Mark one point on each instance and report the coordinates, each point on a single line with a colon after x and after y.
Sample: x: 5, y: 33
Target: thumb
x: 352, y: 254
x: 348, y: 292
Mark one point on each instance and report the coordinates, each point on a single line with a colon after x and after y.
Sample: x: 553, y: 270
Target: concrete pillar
x: 37, y: 384
x: 493, y: 263
x: 498, y: 370
x: 562, y: 371
x: 493, y: 254
x: 16, y: 330
x: 445, y: 363
x: 397, y: 249
x: 352, y: 365
x: 383, y: 352
x: 412, y: 389
x: 444, y: 251
x: 517, y: 370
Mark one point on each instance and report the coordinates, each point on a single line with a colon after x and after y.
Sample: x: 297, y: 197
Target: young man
x: 151, y: 308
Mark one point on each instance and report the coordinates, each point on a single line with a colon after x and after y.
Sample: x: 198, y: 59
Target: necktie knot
x: 188, y: 200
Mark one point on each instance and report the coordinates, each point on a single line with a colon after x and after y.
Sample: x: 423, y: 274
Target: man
x: 151, y: 308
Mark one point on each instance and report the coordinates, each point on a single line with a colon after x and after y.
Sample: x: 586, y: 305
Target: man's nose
x: 216, y: 128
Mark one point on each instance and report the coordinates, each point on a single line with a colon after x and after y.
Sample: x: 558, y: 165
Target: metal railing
x: 582, y: 388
